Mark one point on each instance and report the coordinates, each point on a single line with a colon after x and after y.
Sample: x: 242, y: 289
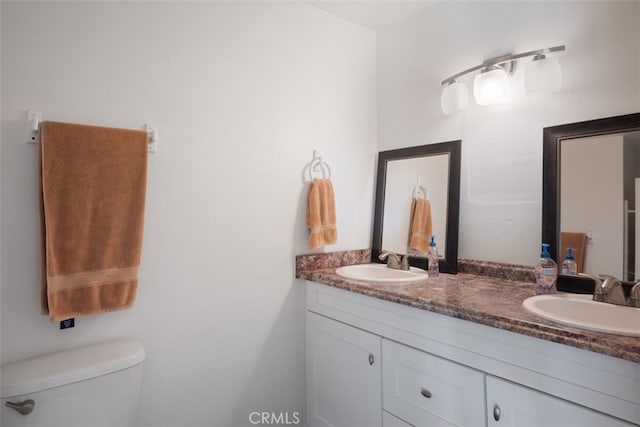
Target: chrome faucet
x: 608, y: 290
x: 395, y: 261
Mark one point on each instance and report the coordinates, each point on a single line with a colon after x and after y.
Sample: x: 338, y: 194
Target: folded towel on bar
x: 420, y: 224
x: 321, y: 214
x: 94, y: 183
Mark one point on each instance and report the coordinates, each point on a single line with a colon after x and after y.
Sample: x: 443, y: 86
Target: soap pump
x: 432, y: 257
x: 546, y: 272
x: 569, y: 265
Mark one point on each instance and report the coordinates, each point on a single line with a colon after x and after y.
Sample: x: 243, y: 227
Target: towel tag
x: 67, y: 323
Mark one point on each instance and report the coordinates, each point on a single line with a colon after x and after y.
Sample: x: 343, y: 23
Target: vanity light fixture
x: 542, y: 74
x: 455, y: 97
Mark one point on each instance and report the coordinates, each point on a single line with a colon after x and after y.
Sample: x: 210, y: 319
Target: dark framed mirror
x: 591, y: 181
x: 437, y: 168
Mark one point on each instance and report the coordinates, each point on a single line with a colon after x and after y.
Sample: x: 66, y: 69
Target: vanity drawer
x: 426, y: 390
x: 389, y: 420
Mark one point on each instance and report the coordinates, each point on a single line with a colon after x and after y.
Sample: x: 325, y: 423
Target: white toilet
x: 94, y: 386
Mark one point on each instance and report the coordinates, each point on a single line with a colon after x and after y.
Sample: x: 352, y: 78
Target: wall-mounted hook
x: 317, y: 162
x: 317, y: 165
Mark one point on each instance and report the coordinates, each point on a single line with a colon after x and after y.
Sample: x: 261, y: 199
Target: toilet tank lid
x: 66, y: 367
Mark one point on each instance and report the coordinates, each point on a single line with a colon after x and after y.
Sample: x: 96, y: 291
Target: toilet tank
x: 93, y: 386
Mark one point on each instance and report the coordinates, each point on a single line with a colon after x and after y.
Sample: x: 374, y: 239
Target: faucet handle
x: 393, y: 260
x: 610, y: 282
x: 634, y: 296
x: 598, y: 293
x: 404, y: 265
x: 609, y: 290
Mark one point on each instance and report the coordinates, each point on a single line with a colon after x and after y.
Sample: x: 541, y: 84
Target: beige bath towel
x: 420, y: 225
x: 321, y: 214
x: 93, y: 198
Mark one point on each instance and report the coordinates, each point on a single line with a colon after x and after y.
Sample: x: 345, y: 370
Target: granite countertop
x: 491, y: 301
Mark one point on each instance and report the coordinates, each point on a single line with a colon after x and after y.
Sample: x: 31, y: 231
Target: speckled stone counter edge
x: 311, y: 262
x: 468, y: 298
x: 514, y: 272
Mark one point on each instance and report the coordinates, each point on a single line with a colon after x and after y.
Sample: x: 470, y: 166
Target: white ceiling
x: 373, y: 14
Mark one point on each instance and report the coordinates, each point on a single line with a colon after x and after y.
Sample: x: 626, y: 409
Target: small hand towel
x: 321, y: 214
x: 93, y: 198
x: 420, y: 225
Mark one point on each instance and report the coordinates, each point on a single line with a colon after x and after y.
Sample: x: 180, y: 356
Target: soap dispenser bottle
x: 569, y: 265
x: 432, y: 257
x: 546, y: 272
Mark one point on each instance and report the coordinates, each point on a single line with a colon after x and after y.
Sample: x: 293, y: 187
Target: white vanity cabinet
x: 372, y: 362
x: 425, y: 390
x: 343, y: 374
x: 390, y: 420
x: 511, y: 404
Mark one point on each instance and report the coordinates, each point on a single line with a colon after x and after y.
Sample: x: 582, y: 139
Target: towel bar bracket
x: 152, y: 133
x: 31, y: 129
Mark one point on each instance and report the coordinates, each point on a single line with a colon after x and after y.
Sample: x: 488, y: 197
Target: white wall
x: 241, y: 94
x: 501, y: 185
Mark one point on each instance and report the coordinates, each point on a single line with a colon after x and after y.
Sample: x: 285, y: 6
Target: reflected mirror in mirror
x: 435, y: 171
x: 590, y: 189
x: 599, y: 180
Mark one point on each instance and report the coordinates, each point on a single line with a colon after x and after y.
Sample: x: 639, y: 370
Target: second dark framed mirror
x: 591, y: 173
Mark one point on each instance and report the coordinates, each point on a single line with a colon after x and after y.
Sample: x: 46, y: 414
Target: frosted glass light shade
x: 542, y: 76
x: 490, y: 87
x: 454, y: 98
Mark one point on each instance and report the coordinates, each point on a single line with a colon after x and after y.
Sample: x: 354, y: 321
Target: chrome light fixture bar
x: 506, y: 62
x: 490, y: 84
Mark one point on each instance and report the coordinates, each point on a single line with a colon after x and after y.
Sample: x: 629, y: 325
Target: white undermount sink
x: 581, y: 311
x: 380, y: 273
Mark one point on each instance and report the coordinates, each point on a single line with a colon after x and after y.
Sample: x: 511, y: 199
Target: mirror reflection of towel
x: 420, y: 225
x: 321, y: 214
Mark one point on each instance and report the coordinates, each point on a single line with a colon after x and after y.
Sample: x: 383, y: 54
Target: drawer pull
x: 426, y: 393
x: 371, y: 360
x: 496, y: 412
x: 24, y: 408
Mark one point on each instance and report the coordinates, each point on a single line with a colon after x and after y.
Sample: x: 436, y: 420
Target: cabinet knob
x: 496, y: 412
x: 426, y: 393
x: 371, y: 360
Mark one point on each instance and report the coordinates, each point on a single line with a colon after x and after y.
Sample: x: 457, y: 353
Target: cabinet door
x: 510, y: 404
x: 425, y: 390
x: 343, y: 374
